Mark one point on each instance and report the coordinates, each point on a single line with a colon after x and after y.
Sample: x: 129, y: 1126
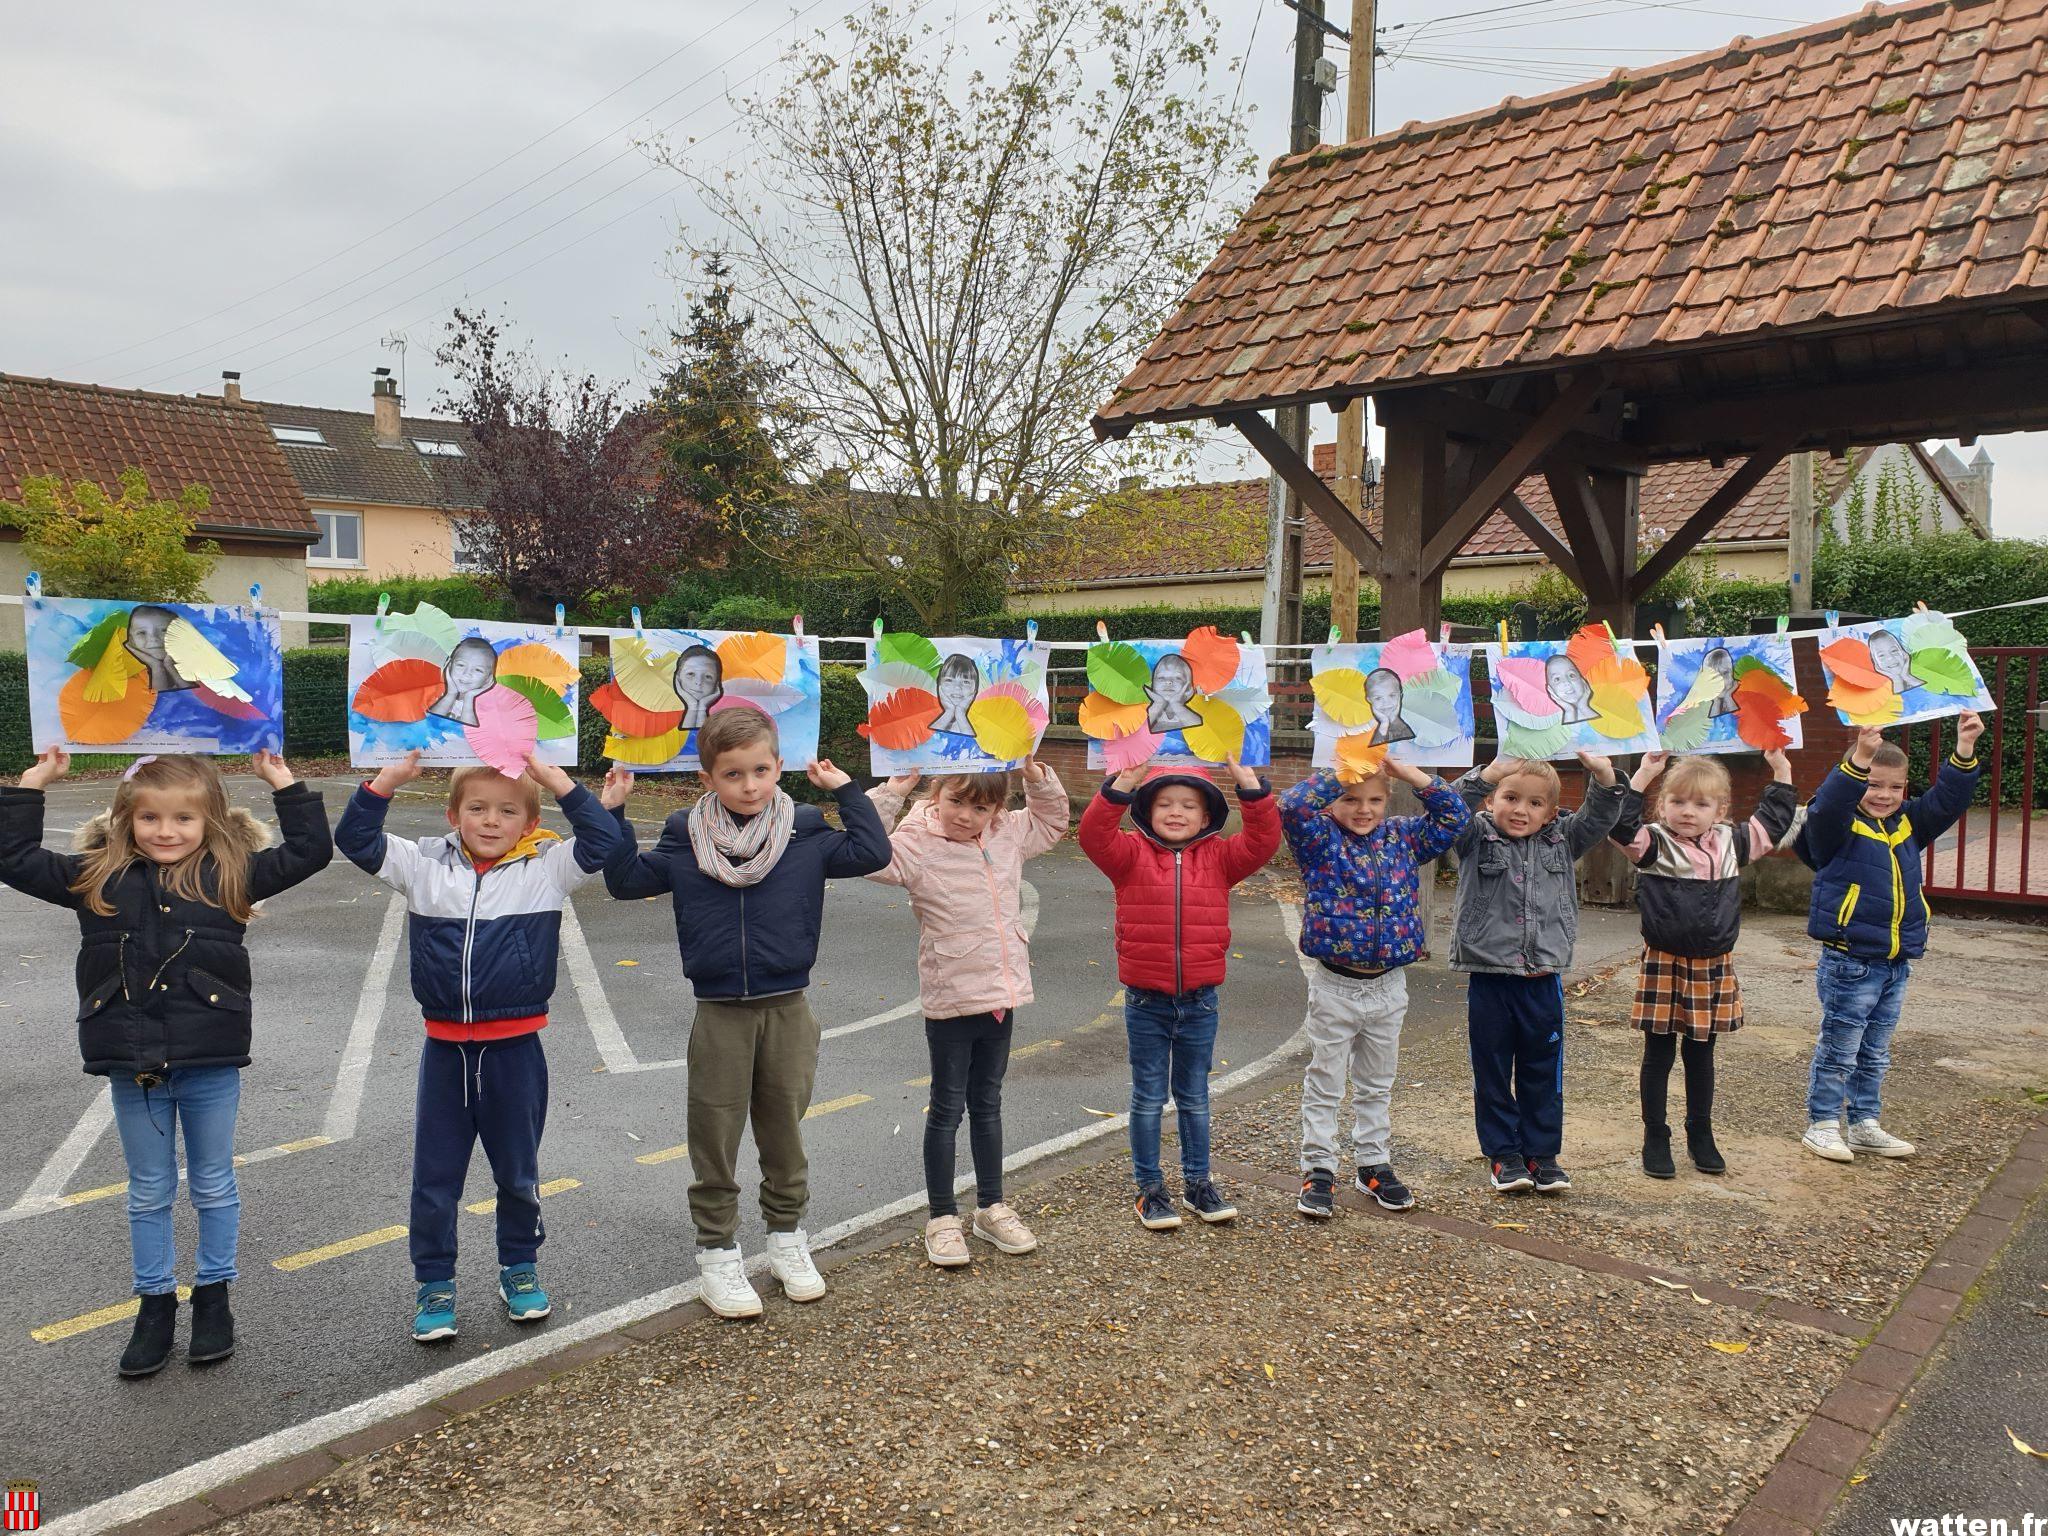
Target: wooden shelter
x: 1832, y: 237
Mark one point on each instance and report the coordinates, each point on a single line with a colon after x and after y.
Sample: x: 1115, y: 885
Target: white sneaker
x: 1823, y: 1138
x: 789, y: 1256
x: 1869, y: 1136
x: 724, y: 1287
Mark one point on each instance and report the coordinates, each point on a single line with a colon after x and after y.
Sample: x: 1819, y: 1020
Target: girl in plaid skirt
x: 1689, y: 857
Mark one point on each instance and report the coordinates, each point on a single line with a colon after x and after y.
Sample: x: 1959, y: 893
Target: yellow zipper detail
x: 1848, y: 907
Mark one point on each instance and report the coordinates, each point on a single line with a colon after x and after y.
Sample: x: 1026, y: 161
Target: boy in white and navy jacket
x: 484, y: 925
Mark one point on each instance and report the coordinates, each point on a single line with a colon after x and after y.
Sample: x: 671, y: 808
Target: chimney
x: 384, y: 424
x: 231, y: 386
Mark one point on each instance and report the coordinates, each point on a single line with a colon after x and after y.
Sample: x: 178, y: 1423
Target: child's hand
x: 618, y: 783
x: 393, y: 777
x: 1407, y: 773
x: 271, y: 769
x: 902, y: 784
x: 1034, y: 771
x: 49, y: 766
x: 1647, y: 771
x: 1500, y: 768
x: 1781, y: 765
x: 821, y: 772
x: 1969, y: 726
x: 1869, y: 739
x: 1132, y: 776
x: 548, y: 776
x: 1601, y: 768
x: 1241, y: 776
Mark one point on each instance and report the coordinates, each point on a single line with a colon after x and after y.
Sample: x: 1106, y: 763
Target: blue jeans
x: 1859, y: 1008
x: 203, y: 1100
x: 1173, y: 1040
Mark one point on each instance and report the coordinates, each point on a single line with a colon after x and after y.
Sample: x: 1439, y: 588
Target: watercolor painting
x: 666, y: 683
x: 1553, y: 699
x: 1404, y: 698
x: 109, y: 675
x: 1897, y: 671
x: 1728, y: 693
x: 1204, y: 699
x: 958, y: 705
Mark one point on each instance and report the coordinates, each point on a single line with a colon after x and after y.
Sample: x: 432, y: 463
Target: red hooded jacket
x: 1173, y: 903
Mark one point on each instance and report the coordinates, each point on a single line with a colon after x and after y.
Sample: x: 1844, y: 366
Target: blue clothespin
x: 1031, y: 631
x: 638, y: 632
x: 1834, y: 617
x: 34, y: 582
x: 255, y: 595
x: 558, y: 620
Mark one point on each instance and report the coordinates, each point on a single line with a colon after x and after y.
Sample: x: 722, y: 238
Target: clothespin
x: 383, y: 607
x: 1503, y: 637
x: 638, y: 632
x: 255, y: 595
x: 1244, y: 637
x: 34, y: 582
x: 1834, y: 618
x: 1101, y: 631
x: 796, y: 627
x: 1031, y: 631
x: 1610, y: 634
x: 1443, y: 633
x: 1335, y: 634
x: 1921, y: 606
x: 1784, y: 622
x: 878, y: 628
x: 558, y: 621
x: 1657, y: 633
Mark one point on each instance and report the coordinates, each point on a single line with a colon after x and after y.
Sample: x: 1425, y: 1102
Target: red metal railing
x: 1990, y: 854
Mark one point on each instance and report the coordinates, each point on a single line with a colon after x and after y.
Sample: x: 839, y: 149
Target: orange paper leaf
x: 1848, y: 663
x: 628, y: 718
x: 1212, y: 657
x: 400, y: 691
x: 1103, y: 718
x: 532, y: 659
x: 103, y: 723
x: 1591, y: 650
x: 1357, y: 759
x: 757, y: 655
x: 1757, y: 722
x: 902, y: 720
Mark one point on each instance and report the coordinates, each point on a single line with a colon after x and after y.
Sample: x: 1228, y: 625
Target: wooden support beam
x: 1585, y: 526
x: 1412, y: 498
x: 1466, y: 417
x: 1711, y: 511
x: 1548, y: 544
x: 1307, y: 484
x: 1512, y: 467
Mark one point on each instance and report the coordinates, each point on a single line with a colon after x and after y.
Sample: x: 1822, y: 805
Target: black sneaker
x: 1155, y: 1210
x: 1550, y: 1179
x: 1203, y: 1198
x: 1318, y: 1194
x: 1511, y: 1175
x: 1657, y: 1152
x: 1384, y: 1185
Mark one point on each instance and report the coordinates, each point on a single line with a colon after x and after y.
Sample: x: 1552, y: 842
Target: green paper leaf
x: 1749, y: 664
x: 1687, y: 730
x: 1118, y: 672
x: 1932, y: 632
x: 93, y: 645
x: 428, y: 622
x: 1943, y: 671
x: 552, y: 719
x: 1541, y: 743
x: 1436, y: 683
x: 914, y: 650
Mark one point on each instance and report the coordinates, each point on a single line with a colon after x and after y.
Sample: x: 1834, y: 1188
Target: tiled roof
x: 84, y: 432
x: 355, y: 467
x: 1895, y: 161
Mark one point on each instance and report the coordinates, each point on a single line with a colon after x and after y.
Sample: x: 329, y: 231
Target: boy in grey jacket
x: 1518, y: 917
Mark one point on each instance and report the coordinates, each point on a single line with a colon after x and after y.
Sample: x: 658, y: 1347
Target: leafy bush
x: 466, y: 597
x: 738, y: 612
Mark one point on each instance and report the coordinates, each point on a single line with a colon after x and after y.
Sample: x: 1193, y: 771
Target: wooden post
x: 1412, y: 494
x: 1605, y: 877
x: 1800, y: 535
x: 1351, y: 423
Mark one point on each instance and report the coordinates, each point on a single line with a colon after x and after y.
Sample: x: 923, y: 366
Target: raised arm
x: 1443, y: 820
x: 1834, y: 804
x: 1589, y: 825
x: 633, y: 875
x: 1109, y: 848
x: 1942, y: 805
x: 363, y: 841
x: 1772, y: 818
x: 1047, y: 813
x: 863, y: 847
x: 1256, y: 841
x: 307, y: 846
x: 1302, y: 822
x: 25, y: 863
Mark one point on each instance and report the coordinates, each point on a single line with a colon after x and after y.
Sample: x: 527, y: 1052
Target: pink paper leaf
x: 1125, y: 752
x: 1409, y: 655
x: 1522, y: 677
x: 506, y: 730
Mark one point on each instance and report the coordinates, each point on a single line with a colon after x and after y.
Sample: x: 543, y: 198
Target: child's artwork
x: 1557, y: 698
x: 666, y: 683
x: 1404, y: 698
x: 1896, y: 671
x: 1199, y: 700
x: 110, y: 675
x: 962, y: 705
x: 459, y: 691
x: 1728, y: 693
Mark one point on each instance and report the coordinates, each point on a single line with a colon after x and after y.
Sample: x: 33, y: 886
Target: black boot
x: 1699, y: 1141
x: 149, y: 1346
x: 1657, y: 1152
x: 213, y: 1325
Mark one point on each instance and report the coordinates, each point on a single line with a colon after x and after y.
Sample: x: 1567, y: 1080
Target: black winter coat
x: 164, y: 982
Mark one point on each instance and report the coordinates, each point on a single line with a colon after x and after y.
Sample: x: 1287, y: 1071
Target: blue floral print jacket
x: 1361, y: 907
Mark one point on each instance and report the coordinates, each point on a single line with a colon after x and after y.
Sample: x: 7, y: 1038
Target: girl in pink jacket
x: 960, y: 854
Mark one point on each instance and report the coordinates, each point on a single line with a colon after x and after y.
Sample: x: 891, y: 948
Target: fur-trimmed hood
x: 250, y: 831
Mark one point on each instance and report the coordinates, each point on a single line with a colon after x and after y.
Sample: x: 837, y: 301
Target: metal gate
x: 1991, y: 855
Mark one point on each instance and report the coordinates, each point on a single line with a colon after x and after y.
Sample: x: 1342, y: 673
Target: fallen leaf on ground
x: 1513, y: 1226
x: 1728, y: 1348
x: 2022, y: 1447
x: 1703, y: 1301
x: 1100, y: 1114
x: 1669, y: 1285
x: 1269, y: 1377
x: 1860, y: 1477
x: 625, y: 962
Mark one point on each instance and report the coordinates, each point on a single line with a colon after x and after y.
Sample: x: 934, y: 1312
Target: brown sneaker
x: 1000, y: 1225
x: 944, y: 1243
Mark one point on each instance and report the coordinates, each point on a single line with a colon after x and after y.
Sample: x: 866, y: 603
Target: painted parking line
x: 85, y: 1322
x: 348, y: 1245
x: 109, y: 1191
x: 1019, y: 1054
x: 552, y: 1187
x: 833, y: 1106
x: 49, y: 1182
x: 665, y: 1155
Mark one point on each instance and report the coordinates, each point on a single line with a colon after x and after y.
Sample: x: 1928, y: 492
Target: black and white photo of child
x: 1383, y: 693
x: 959, y: 682
x: 699, y: 683
x: 472, y: 671
x: 1889, y: 655
x: 147, y: 626
x: 1173, y: 685
x: 1718, y: 660
x: 1568, y: 689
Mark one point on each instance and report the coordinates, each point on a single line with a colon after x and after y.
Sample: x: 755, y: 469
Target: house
x: 1203, y: 545
x: 386, y: 490
x: 258, y: 516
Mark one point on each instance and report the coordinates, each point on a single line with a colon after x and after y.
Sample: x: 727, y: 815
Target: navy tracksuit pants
x: 1516, y: 1025
x: 496, y: 1092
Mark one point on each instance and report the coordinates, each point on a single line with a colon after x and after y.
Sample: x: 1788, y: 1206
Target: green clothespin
x: 1244, y: 637
x: 1784, y: 622
x: 1335, y: 633
x: 383, y: 607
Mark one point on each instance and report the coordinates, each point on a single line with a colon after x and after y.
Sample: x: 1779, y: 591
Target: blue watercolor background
x: 1258, y: 728
x: 440, y: 741
x: 1679, y: 663
x: 998, y: 661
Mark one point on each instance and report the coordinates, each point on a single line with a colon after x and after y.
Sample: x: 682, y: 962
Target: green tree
x: 86, y: 543
x: 717, y: 403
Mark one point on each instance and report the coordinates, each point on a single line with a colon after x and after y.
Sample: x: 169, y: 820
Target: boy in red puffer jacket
x: 1173, y: 878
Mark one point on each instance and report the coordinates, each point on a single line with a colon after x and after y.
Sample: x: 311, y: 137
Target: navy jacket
x: 1866, y: 885
x: 483, y: 946
x: 755, y: 940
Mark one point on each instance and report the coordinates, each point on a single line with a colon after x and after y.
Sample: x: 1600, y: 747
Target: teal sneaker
x: 525, y: 1301
x: 433, y: 1311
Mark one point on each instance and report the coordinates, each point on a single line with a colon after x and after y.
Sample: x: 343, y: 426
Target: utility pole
x: 1351, y: 424
x: 1800, y: 535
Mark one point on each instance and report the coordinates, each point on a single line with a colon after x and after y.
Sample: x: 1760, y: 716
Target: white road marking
x: 347, y: 1102
x: 227, y: 1466
x: 47, y: 1185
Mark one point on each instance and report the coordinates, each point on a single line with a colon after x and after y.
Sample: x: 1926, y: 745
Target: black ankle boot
x: 213, y: 1325
x: 1699, y: 1141
x: 149, y: 1346
x: 1657, y: 1152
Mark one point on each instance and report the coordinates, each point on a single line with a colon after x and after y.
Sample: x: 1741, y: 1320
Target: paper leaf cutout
x: 1542, y: 742
x: 1848, y: 663
x: 1617, y: 716
x: 93, y: 644
x: 903, y: 720
x: 1436, y: 681
x: 1932, y: 631
x: 1105, y: 719
x: 1220, y: 736
x: 1357, y: 759
x: 234, y: 709
x: 1212, y: 657
x: 1118, y: 672
x: 102, y: 723
x: 107, y: 681
x: 399, y: 691
x: 1686, y: 731
x: 759, y: 656
x: 646, y: 674
x: 1591, y: 649
x: 1763, y: 701
x: 1433, y: 718
x: 885, y: 677
x: 1340, y: 694
x: 644, y: 751
x: 914, y: 650
x: 769, y: 698
x: 551, y: 716
x: 426, y: 633
x: 628, y: 718
x: 1945, y: 672
x: 1409, y: 656
x: 1707, y: 686
x: 541, y: 662
x: 197, y: 658
x: 1126, y: 752
x: 1867, y: 706
x: 1522, y: 678
x: 506, y: 730
x: 1002, y: 727
x: 1034, y: 709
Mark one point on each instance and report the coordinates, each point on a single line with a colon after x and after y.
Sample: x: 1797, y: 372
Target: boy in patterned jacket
x: 1361, y: 922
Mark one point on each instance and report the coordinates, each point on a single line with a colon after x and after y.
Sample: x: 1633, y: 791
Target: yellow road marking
x: 831, y: 1106
x: 552, y: 1187
x: 108, y: 1191
x: 85, y: 1322
x: 104, y: 1192
x: 919, y: 1082
x: 665, y: 1155
x: 1035, y: 1047
x: 338, y: 1250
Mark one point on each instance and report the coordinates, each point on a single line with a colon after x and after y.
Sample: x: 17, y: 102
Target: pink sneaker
x: 1000, y: 1225
x: 944, y: 1243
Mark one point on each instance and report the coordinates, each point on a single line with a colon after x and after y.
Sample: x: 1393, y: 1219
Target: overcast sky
x: 278, y: 188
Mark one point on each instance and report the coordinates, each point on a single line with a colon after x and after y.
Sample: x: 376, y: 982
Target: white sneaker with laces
x: 1823, y: 1138
x: 789, y: 1256
x: 723, y: 1284
x: 1869, y: 1136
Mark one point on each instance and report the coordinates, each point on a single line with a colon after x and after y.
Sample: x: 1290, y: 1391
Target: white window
x: 305, y: 437
x: 341, y: 539
x: 467, y: 553
x: 438, y: 447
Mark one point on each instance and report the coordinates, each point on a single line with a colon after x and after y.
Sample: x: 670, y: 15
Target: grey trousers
x: 750, y: 1061
x: 1354, y: 1028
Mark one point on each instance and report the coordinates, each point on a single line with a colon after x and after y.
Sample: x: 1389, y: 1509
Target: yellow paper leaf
x: 644, y: 674
x: 1340, y: 693
x: 107, y: 682
x: 756, y: 655
x: 2022, y: 1447
x: 1618, y: 717
x: 1728, y: 1348
x: 644, y: 751
x: 533, y: 659
x: 1220, y: 736
x: 1103, y: 718
x: 1002, y: 726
